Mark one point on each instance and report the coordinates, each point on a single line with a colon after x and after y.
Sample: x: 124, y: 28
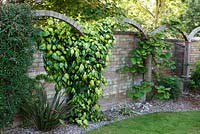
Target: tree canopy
x: 191, y: 18
x: 149, y: 13
x: 84, y: 10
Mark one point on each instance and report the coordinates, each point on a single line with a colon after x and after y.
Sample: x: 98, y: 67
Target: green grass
x: 155, y: 123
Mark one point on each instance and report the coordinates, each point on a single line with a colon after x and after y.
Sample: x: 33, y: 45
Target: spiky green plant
x: 42, y: 113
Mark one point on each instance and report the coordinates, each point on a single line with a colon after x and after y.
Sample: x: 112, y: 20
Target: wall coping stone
x: 117, y: 32
x: 194, y: 39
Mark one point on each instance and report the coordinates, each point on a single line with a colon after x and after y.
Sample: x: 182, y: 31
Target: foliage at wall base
x: 41, y: 112
x: 77, y: 63
x: 166, y: 87
x: 173, y: 83
x: 194, y: 83
x: 140, y: 90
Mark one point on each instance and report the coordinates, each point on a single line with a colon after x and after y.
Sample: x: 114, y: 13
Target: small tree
x: 192, y: 16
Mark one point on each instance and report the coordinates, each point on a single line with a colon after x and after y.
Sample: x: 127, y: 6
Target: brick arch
x: 165, y: 26
x: 193, y: 33
x: 136, y: 25
x: 59, y: 16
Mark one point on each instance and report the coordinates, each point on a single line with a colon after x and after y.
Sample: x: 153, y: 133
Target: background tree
x: 149, y: 13
x: 152, y: 13
x: 191, y: 19
x: 81, y: 9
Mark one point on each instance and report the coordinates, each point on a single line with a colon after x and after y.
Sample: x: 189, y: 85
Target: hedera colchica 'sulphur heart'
x: 76, y: 63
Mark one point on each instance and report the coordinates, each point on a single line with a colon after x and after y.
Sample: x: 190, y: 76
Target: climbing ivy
x: 76, y: 63
x: 153, y: 45
x: 156, y: 46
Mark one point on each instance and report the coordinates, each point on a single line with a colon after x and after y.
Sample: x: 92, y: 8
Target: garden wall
x: 119, y: 82
x: 177, y: 50
x: 194, y: 52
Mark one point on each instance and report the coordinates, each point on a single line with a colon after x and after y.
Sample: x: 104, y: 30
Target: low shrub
x: 166, y: 87
x: 140, y: 90
x: 162, y: 92
x: 173, y: 83
x: 44, y: 115
x: 126, y: 111
x: 194, y: 82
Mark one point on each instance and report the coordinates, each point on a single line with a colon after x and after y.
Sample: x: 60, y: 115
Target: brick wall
x: 37, y: 68
x: 119, y: 82
x: 194, y: 52
x: 178, y: 57
x: 177, y: 50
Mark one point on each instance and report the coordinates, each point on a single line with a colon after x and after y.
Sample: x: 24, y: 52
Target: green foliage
x: 140, y: 90
x: 76, y: 63
x: 161, y: 54
x: 175, y: 27
x: 152, y: 13
x: 149, y: 13
x: 40, y: 112
x: 191, y: 18
x: 84, y: 10
x: 17, y: 37
x: 162, y: 92
x: 166, y: 87
x: 155, y: 46
x: 172, y: 82
x: 194, y: 82
x: 161, y: 58
x: 126, y: 111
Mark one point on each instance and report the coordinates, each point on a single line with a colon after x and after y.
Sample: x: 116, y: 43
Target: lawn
x: 155, y: 123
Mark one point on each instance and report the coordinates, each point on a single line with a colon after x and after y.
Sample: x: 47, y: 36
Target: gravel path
x: 186, y: 102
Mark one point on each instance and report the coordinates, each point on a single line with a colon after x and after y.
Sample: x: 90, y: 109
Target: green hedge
x: 194, y: 82
x: 16, y: 41
x: 77, y: 64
